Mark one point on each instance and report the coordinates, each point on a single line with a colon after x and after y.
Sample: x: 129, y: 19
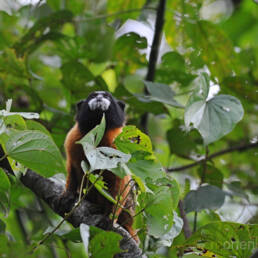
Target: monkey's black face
x: 91, y: 110
x: 99, y: 100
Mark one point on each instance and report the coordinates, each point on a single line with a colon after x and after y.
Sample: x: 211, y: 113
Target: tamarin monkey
x: 89, y: 114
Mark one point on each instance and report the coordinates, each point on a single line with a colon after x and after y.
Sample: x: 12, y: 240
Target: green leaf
x: 205, y: 197
x: 93, y: 138
x: 173, y: 68
x: 215, y: 117
x: 15, y: 122
x: 72, y: 235
x: 36, y: 151
x: 4, y: 181
x: 37, y: 34
x: 106, y: 158
x: 132, y: 139
x: 227, y: 239
x: 146, y: 169
x: 212, y: 176
x: 105, y: 244
x: 161, y: 93
x: 215, y: 48
x: 12, y: 64
x: 167, y: 239
x: 101, y: 157
x: 76, y: 76
x: 181, y: 142
x: 159, y: 211
x: 158, y: 204
x: 34, y: 125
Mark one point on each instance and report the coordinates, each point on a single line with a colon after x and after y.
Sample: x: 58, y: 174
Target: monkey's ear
x: 78, y: 105
x: 121, y: 104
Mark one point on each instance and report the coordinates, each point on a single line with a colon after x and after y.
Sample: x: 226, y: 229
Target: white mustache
x: 102, y: 104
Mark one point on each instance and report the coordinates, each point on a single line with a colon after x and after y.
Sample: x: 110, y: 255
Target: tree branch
x: 154, y: 54
x: 242, y: 147
x: 50, y: 190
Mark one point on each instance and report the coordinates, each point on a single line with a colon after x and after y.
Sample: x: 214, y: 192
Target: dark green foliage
x: 54, y: 54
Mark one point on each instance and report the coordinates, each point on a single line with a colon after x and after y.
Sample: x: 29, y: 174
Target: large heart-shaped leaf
x: 36, y: 151
x: 215, y: 117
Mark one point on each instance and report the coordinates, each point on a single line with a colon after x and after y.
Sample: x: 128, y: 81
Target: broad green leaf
x: 132, y: 139
x: 14, y: 121
x: 34, y: 125
x: 36, y: 151
x: 226, y: 239
x: 158, y: 204
x: 205, y: 197
x: 214, y: 117
x: 4, y: 181
x: 106, y: 158
x: 146, y: 169
x: 161, y: 93
x: 167, y: 239
x: 159, y: 211
x: 105, y: 244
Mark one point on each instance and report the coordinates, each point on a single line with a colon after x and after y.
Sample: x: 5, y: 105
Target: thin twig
x: 242, y: 147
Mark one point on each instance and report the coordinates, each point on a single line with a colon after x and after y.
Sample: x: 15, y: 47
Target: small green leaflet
x: 215, y: 117
x: 36, y: 151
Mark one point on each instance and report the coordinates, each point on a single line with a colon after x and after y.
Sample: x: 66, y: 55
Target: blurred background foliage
x: 54, y: 53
